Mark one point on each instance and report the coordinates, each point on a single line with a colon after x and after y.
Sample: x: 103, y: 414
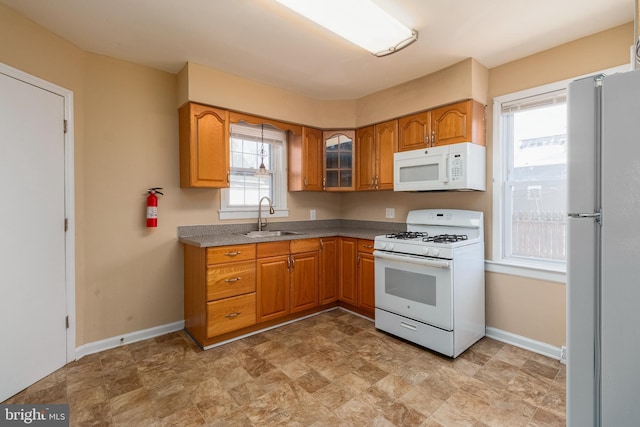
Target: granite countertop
x: 233, y: 234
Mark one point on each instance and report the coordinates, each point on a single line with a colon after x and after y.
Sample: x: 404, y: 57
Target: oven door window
x: 410, y: 286
x: 419, y: 292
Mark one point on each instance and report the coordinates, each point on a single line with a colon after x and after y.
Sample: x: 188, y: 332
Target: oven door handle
x: 428, y: 262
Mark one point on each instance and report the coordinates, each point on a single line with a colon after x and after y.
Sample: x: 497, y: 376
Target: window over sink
x: 246, y: 187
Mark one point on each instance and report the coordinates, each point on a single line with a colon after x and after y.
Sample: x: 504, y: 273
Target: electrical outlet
x: 312, y: 214
x: 563, y: 355
x: 391, y: 213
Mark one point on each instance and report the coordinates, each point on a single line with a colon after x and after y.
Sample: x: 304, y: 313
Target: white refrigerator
x: 603, y: 268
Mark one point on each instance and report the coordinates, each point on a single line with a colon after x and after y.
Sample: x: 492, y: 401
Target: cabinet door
x: 329, y: 270
x: 348, y: 283
x: 460, y: 122
x: 272, y: 287
x: 338, y: 160
x: 204, y: 146
x: 304, y: 281
x: 386, y: 144
x: 312, y: 143
x: 414, y: 131
x: 366, y: 282
x: 365, y: 158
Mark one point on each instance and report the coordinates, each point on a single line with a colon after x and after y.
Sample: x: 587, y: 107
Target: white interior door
x: 33, y: 300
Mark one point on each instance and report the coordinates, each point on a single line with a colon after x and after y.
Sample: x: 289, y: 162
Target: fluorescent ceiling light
x: 361, y: 22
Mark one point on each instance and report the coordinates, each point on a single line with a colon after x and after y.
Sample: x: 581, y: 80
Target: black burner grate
x: 445, y: 238
x: 406, y: 235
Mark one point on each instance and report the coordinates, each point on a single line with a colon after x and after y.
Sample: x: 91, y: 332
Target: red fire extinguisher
x: 152, y: 206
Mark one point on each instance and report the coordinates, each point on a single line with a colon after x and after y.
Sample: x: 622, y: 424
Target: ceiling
x: 262, y: 41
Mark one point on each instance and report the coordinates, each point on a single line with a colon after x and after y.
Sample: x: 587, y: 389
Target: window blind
x: 249, y: 132
x: 536, y: 101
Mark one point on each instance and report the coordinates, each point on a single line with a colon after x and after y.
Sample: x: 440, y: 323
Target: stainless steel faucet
x: 271, y: 212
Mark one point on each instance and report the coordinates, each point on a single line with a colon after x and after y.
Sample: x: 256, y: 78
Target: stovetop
x: 435, y: 233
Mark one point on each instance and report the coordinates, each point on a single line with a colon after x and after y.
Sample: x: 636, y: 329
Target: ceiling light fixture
x: 361, y: 22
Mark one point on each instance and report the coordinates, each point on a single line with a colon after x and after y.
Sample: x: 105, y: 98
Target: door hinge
x: 66, y: 321
x: 66, y: 224
x: 65, y: 125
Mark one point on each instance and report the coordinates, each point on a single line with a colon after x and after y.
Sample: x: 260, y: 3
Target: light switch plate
x: 391, y: 213
x: 312, y: 214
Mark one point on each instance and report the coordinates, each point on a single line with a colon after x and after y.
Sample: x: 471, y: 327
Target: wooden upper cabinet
x: 305, y: 160
x: 365, y: 158
x: 460, y: 122
x: 375, y: 146
x: 386, y: 145
x: 204, y: 146
x: 414, y: 131
x: 339, y: 160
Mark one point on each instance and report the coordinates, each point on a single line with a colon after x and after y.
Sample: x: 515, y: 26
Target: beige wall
x: 30, y: 48
x: 129, y: 278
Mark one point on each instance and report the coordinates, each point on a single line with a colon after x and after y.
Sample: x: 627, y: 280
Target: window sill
x: 252, y: 213
x: 532, y: 271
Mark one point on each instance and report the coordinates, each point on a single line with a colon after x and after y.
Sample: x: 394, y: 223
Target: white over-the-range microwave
x: 447, y: 167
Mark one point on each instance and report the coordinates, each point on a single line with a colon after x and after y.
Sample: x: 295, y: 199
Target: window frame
x: 553, y: 271
x: 279, y: 190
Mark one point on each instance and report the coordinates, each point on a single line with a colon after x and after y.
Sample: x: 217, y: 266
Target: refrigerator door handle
x: 596, y: 215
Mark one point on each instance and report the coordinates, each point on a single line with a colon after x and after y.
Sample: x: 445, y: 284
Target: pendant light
x: 262, y: 170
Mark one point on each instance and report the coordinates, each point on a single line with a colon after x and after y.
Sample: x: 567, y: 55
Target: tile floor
x: 333, y: 369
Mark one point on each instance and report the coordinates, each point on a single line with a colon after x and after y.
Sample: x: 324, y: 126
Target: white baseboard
x: 113, y: 342
x: 524, y: 342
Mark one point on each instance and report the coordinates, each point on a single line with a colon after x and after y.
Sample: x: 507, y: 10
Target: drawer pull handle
x: 232, y: 315
x: 367, y: 246
x: 233, y: 280
x: 408, y: 326
x: 232, y: 253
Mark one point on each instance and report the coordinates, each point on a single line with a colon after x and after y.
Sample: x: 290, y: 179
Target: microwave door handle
x: 446, y: 169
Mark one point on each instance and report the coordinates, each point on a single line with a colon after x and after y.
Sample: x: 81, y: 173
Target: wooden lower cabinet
x: 287, y: 277
x: 272, y: 287
x: 219, y: 290
x: 366, y: 279
x: 348, y: 283
x: 329, y: 269
x: 231, y: 314
x: 357, y: 284
x: 233, y: 290
x: 304, y: 281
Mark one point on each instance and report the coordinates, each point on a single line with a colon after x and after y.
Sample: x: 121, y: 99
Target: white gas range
x: 429, y: 281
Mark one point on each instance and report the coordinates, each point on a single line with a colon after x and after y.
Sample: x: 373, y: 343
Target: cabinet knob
x: 433, y: 137
x: 236, y: 253
x: 233, y: 280
x: 232, y: 315
x: 305, y: 181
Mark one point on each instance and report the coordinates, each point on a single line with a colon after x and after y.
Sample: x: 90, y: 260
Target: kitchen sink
x: 270, y: 233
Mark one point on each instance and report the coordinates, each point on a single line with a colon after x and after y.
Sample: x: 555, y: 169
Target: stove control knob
x: 435, y: 252
x: 389, y: 246
x: 426, y: 251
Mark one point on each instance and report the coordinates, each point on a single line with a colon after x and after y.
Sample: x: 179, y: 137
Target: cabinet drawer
x: 219, y: 254
x: 304, y: 245
x: 365, y: 246
x: 230, y: 314
x: 269, y: 249
x: 231, y: 279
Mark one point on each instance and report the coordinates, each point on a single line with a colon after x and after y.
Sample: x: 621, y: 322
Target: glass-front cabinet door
x: 338, y: 160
